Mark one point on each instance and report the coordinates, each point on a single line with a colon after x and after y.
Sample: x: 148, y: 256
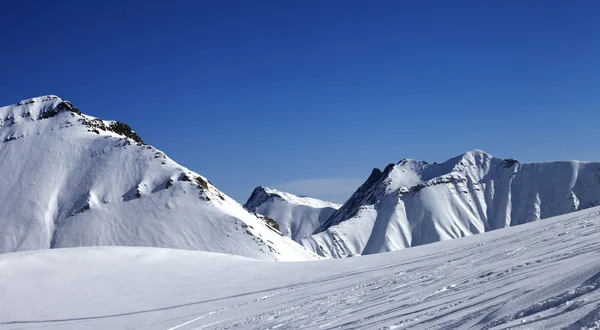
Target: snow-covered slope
x: 413, y: 203
x: 296, y: 216
x: 543, y: 275
x: 73, y: 180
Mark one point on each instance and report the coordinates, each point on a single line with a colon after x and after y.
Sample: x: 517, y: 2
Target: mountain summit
x: 413, y: 202
x: 69, y: 179
x: 296, y: 216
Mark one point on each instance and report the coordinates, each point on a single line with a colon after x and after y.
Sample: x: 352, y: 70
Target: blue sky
x: 309, y: 96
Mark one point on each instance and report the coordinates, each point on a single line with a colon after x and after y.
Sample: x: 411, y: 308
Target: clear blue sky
x: 310, y: 95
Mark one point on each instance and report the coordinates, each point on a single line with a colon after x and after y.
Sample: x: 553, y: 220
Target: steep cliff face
x: 413, y: 203
x: 297, y: 217
x: 70, y: 180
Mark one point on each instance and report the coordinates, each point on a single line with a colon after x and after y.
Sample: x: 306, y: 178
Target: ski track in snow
x: 540, y: 275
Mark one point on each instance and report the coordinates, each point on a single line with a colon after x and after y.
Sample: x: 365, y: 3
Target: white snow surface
x: 541, y: 275
x: 414, y: 203
x: 297, y: 217
x: 69, y: 181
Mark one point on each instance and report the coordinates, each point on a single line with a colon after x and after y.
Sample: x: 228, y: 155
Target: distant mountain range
x: 413, y: 202
x: 69, y: 179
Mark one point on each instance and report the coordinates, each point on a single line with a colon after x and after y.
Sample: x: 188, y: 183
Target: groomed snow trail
x: 540, y: 275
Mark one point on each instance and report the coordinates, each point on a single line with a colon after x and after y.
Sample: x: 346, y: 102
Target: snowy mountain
x: 543, y: 275
x: 72, y: 180
x: 413, y: 203
x: 297, y: 217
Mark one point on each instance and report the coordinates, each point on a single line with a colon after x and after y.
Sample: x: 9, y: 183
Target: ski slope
x: 540, y: 275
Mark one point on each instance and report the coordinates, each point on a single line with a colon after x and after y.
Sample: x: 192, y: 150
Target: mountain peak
x: 296, y: 216
x: 48, y: 106
x: 39, y: 99
x: 476, y: 153
x: 34, y: 108
x: 261, y: 194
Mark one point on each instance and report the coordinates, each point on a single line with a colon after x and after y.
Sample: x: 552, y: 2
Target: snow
x: 293, y: 199
x: 540, y: 275
x: 69, y: 181
x: 91, y: 220
x: 414, y: 203
x: 296, y: 216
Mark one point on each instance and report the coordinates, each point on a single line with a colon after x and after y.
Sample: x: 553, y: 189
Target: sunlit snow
x: 542, y: 275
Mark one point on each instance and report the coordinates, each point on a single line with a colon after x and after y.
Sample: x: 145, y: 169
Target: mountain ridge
x: 76, y: 180
x: 413, y: 202
x: 296, y: 199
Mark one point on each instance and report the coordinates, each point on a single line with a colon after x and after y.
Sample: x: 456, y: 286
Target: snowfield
x: 540, y: 275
